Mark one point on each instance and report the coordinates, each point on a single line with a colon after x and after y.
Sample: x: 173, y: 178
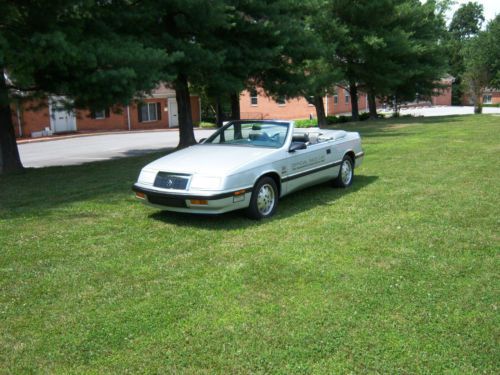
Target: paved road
x: 78, y: 150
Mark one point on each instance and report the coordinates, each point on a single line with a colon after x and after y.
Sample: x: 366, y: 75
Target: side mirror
x: 202, y: 140
x: 297, y: 146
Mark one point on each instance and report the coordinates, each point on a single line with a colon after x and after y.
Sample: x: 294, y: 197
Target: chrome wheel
x: 265, y: 199
x: 346, y: 172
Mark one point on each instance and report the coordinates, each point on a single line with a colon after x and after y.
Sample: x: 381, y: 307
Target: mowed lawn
x: 397, y: 275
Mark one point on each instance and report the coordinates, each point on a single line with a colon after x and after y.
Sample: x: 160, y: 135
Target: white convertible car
x: 249, y: 164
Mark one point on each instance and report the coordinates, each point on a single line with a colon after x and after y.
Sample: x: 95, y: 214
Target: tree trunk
x: 395, y: 107
x: 320, y: 110
x: 235, y: 106
x: 478, y: 107
x: 220, y: 113
x: 478, y: 102
x: 353, y: 90
x: 186, y: 132
x: 9, y: 154
x: 372, y: 105
x: 235, y: 114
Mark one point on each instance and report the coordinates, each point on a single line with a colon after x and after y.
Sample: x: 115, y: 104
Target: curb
x: 90, y: 134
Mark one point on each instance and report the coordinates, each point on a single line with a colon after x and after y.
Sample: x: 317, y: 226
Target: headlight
x: 205, y: 183
x: 147, y: 177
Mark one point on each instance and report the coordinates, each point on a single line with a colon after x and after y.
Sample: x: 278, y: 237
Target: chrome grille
x: 171, y: 181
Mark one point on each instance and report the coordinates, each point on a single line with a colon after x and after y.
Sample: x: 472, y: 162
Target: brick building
x: 490, y: 96
x: 157, y: 111
x: 255, y: 104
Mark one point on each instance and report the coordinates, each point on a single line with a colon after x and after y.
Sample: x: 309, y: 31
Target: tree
x: 320, y: 73
x: 81, y: 50
x: 465, y: 24
x: 188, y: 28
x: 270, y: 45
x: 371, y: 31
x: 418, y: 59
x: 248, y: 49
x: 388, y: 48
x: 493, y: 51
x: 481, y: 60
x: 467, y: 20
x: 354, y: 19
x: 301, y: 68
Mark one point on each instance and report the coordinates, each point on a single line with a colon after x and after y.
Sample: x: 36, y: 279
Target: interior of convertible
x: 262, y: 134
x: 311, y: 136
x: 265, y: 134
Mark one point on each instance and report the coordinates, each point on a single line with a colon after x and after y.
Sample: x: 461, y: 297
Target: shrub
x: 306, y: 123
x: 332, y: 119
x: 344, y: 119
x: 364, y: 116
x: 211, y: 119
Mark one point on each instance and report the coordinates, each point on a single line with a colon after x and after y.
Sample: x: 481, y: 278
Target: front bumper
x: 359, y: 159
x: 213, y: 203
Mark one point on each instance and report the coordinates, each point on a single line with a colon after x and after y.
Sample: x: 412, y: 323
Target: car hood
x: 209, y: 160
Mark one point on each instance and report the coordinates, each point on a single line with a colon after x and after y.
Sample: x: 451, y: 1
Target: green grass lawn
x: 397, y: 275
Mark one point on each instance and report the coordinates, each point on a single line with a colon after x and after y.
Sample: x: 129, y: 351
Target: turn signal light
x: 239, y: 192
x: 198, y: 201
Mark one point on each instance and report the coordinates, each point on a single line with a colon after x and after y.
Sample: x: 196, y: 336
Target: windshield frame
x: 216, y: 134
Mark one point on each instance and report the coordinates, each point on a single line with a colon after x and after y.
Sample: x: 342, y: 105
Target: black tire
x: 346, y: 173
x: 264, y: 200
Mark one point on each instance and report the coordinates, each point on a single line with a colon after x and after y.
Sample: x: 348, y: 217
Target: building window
x: 281, y: 100
x: 335, y: 99
x: 310, y: 100
x: 346, y: 97
x: 99, y: 114
x: 487, y: 99
x: 149, y: 112
x: 253, y: 97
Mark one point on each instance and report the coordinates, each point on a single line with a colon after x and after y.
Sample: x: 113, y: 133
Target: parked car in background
x: 249, y: 165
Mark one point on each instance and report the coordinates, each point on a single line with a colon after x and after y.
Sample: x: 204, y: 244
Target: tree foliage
x: 465, y: 24
x: 256, y: 38
x: 82, y: 50
x: 388, y: 48
x: 467, y: 21
x: 481, y: 60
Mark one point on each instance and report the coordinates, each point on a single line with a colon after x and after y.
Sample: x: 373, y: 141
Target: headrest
x: 300, y: 137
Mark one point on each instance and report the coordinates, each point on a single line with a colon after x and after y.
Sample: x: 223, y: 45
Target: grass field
x: 397, y: 275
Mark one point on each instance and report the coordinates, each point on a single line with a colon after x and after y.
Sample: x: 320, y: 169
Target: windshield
x: 251, y: 133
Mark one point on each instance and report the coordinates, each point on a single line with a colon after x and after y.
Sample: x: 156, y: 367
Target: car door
x: 305, y: 167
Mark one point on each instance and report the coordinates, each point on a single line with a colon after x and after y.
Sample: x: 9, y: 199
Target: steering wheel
x: 275, y: 137
x: 264, y: 137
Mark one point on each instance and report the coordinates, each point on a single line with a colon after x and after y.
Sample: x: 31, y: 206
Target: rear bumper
x: 212, y: 203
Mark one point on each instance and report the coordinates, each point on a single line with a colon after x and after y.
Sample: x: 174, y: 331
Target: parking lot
x: 85, y: 149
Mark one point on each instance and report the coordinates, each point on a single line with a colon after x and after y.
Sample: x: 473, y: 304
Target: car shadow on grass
x: 37, y: 191
x: 290, y: 205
